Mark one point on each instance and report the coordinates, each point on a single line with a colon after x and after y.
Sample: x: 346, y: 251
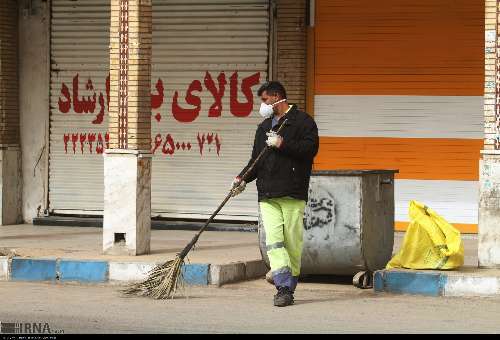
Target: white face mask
x: 266, y: 110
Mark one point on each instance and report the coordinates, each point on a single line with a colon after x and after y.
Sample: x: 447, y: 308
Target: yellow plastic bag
x: 429, y: 243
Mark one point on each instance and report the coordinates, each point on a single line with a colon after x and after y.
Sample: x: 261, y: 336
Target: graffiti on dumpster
x: 84, y: 99
x: 319, y: 215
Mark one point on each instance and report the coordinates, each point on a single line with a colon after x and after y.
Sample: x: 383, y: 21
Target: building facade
x: 391, y: 85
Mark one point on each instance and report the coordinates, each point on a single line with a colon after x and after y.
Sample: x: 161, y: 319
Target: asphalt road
x: 325, y: 307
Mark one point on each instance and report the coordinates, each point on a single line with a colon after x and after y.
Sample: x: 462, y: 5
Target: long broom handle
x: 190, y: 245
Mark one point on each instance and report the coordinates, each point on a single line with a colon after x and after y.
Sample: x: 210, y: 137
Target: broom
x: 163, y: 280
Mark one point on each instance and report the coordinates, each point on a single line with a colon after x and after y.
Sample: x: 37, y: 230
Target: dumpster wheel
x: 363, y: 280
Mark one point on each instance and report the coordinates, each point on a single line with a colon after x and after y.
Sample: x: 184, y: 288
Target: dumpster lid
x: 348, y: 172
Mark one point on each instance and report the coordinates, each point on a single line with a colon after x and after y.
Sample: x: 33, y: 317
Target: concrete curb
x: 118, y: 272
x: 4, y: 268
x: 221, y: 274
x: 435, y: 283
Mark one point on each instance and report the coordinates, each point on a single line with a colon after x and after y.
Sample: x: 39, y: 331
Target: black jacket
x: 285, y: 171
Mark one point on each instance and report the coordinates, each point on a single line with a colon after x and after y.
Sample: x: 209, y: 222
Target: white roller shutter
x: 190, y: 39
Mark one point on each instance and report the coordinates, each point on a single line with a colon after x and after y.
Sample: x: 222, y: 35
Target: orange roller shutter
x: 399, y: 47
x: 416, y: 158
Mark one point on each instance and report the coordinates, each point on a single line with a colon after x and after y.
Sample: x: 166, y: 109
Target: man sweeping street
x: 282, y: 183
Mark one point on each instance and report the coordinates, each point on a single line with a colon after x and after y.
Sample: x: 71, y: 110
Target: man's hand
x: 237, y: 186
x: 273, y: 139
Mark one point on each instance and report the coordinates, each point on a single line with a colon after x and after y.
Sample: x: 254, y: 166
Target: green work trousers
x: 283, y: 220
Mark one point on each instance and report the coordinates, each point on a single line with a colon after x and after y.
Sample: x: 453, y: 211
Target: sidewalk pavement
x: 218, y: 247
x: 75, y: 254
x: 65, y: 254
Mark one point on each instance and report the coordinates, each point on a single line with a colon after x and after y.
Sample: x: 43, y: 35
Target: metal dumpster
x: 349, y: 224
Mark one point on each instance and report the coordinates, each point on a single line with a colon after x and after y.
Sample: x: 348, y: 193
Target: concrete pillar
x: 10, y: 154
x: 127, y: 163
x: 34, y: 104
x: 489, y: 211
x: 489, y: 167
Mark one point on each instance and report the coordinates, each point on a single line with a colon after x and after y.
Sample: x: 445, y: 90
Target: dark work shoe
x: 284, y: 297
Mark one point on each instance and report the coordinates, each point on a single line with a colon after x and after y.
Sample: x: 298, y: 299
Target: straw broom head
x: 162, y: 281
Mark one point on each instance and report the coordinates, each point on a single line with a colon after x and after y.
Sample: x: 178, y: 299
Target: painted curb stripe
x: 60, y: 270
x: 33, y: 270
x: 195, y: 274
x: 129, y: 271
x: 472, y: 286
x: 436, y: 283
x: 402, y: 282
x: 83, y: 271
x: 4, y: 268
